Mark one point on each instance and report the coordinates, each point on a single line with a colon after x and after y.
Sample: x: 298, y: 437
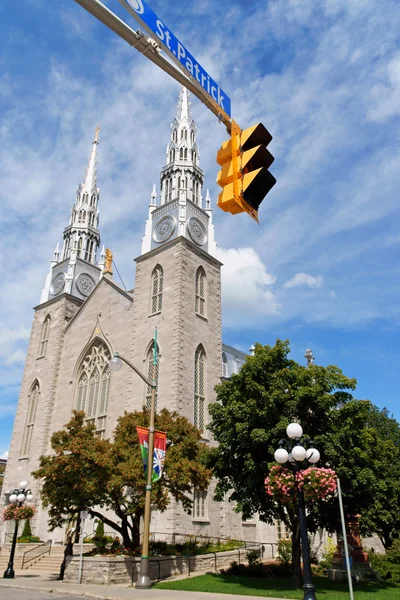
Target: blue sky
x: 322, y: 269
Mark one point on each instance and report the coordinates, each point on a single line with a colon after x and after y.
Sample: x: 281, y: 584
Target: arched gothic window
x: 157, y: 289
x: 44, y: 338
x: 93, y: 200
x: 175, y: 135
x: 200, y: 302
x: 149, y: 373
x: 94, y: 385
x: 89, y: 250
x: 192, y: 136
x: 196, y: 193
x: 181, y: 153
x: 224, y: 365
x: 184, y: 134
x: 33, y: 399
x: 185, y: 154
x: 199, y: 387
x: 80, y: 242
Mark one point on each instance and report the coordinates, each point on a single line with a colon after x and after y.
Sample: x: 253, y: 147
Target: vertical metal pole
x: 346, y: 549
x: 81, y: 551
x: 9, y: 572
x: 308, y: 587
x: 144, y: 581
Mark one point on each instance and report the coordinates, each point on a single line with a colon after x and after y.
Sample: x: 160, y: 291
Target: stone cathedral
x: 83, y: 317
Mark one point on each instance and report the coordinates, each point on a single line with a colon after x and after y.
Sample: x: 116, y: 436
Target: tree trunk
x: 387, y: 540
x: 125, y: 534
x: 296, y: 561
x: 136, y: 530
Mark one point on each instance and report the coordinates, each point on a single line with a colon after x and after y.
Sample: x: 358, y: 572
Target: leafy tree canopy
x: 355, y: 438
x: 102, y: 475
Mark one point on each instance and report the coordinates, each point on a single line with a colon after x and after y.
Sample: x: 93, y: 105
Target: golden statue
x: 108, y: 261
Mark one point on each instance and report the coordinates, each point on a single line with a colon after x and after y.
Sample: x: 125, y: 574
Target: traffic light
x: 244, y: 176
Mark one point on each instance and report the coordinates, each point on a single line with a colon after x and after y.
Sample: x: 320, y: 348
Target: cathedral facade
x: 84, y: 317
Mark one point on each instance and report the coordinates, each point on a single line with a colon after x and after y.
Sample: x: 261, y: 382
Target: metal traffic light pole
x: 151, y: 49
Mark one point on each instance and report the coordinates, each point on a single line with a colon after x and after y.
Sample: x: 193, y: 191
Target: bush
x: 387, y: 565
x: 31, y: 539
x: 158, y: 548
x: 100, y: 540
x: 27, y: 531
x: 253, y: 557
x: 326, y: 561
x: 285, y: 552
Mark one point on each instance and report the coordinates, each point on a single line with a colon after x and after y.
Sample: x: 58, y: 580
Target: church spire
x: 82, y: 234
x: 182, y: 166
x: 184, y: 212
x: 91, y: 171
x: 81, y: 240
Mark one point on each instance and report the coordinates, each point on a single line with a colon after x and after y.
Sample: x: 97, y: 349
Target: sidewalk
x: 39, y: 582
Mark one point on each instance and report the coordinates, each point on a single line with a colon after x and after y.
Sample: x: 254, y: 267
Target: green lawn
x: 280, y: 588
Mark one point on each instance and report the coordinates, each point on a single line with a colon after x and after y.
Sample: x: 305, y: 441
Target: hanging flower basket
x: 316, y: 483
x: 18, y: 513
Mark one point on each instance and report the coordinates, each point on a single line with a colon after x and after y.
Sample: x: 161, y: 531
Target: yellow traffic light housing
x: 244, y: 176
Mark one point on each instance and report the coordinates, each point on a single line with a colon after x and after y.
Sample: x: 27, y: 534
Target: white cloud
x: 303, y: 279
x: 385, y: 95
x: 4, y: 455
x: 246, y: 284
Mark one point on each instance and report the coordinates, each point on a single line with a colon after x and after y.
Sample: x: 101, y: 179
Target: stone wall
x: 110, y: 570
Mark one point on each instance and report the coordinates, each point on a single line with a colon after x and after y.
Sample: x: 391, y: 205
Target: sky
x: 322, y: 268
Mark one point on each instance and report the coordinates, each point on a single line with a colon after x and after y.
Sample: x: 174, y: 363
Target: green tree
x: 382, y: 515
x: 101, y: 475
x: 250, y: 417
x: 27, y: 531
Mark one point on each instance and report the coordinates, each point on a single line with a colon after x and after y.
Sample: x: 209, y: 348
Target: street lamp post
x: 18, y: 496
x: 296, y: 454
x: 144, y: 581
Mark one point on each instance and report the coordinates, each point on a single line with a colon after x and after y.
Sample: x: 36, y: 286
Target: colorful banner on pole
x: 160, y: 445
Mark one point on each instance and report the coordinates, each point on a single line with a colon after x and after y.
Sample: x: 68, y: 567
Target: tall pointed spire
x: 183, y: 107
x: 77, y: 270
x: 182, y: 171
x: 82, y: 234
x: 91, y: 171
x: 184, y: 213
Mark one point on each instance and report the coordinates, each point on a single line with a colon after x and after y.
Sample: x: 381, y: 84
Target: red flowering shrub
x: 14, y: 512
x: 316, y: 483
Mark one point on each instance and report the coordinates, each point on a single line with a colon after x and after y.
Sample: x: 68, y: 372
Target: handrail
x: 45, y: 551
x: 188, y: 557
x: 212, y: 537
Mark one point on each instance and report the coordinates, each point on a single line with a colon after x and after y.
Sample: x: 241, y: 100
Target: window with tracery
x: 157, y: 290
x: 199, y: 388
x: 224, y: 365
x: 94, y: 386
x: 44, y: 337
x: 33, y: 399
x: 200, y: 303
x: 149, y: 373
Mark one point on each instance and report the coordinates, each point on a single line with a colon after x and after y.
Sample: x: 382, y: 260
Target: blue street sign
x: 144, y: 14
